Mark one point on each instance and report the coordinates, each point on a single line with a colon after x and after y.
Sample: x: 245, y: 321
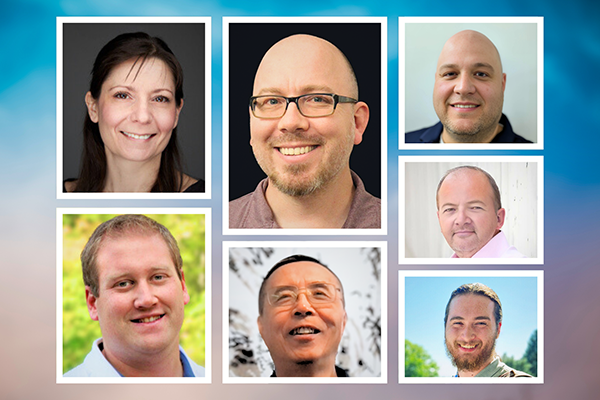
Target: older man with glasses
x: 305, y: 118
x: 302, y: 318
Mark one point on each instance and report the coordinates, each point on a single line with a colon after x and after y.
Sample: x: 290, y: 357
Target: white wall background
x: 517, y: 44
x: 517, y: 182
x: 359, y: 270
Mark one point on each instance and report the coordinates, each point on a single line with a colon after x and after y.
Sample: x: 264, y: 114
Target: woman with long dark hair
x: 130, y: 130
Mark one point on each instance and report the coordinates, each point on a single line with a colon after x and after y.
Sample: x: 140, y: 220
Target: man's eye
x: 449, y: 74
x: 319, y: 99
x: 448, y: 210
x: 159, y: 277
x: 481, y: 74
x: 124, y: 284
x: 270, y: 101
x: 283, y: 297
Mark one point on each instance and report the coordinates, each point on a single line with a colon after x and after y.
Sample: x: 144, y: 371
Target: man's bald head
x: 468, y: 95
x: 473, y: 44
x: 308, y: 53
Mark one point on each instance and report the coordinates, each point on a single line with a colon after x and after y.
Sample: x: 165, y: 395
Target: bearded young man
x: 472, y: 324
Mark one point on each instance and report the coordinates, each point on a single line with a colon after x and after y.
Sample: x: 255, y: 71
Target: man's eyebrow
x: 476, y: 202
x: 483, y: 317
x: 468, y: 202
x: 127, y: 274
x: 476, y: 65
x: 304, y: 90
x: 447, y: 204
x: 483, y: 65
x: 444, y: 66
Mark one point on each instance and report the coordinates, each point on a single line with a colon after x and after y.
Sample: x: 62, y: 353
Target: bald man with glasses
x: 305, y: 118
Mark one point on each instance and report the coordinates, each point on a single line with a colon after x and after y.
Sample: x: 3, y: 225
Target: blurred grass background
x: 79, y: 331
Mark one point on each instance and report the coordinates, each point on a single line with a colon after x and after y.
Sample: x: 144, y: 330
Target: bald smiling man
x: 468, y: 95
x: 305, y: 119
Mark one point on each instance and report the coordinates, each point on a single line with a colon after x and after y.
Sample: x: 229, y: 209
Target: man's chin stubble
x: 295, y: 188
x: 477, y: 134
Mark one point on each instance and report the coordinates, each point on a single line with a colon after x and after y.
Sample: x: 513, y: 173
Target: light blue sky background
x: 426, y: 299
x: 28, y: 200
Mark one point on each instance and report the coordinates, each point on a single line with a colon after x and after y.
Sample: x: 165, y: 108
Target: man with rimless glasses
x: 305, y: 118
x: 302, y: 318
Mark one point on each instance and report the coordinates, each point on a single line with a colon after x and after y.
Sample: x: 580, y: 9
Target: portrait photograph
x: 124, y: 279
x: 478, y: 325
x: 133, y: 107
x: 246, y: 40
x: 436, y: 53
x: 471, y: 209
x: 295, y: 310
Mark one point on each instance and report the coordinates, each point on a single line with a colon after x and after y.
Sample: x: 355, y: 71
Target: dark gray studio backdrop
x: 81, y: 44
x: 248, y: 43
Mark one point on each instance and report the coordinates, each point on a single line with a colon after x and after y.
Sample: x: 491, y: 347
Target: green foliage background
x: 418, y: 362
x: 527, y: 363
x: 79, y: 331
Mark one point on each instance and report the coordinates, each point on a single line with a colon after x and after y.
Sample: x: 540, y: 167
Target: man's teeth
x: 134, y: 136
x: 296, y: 151
x: 464, y: 105
x: 466, y: 346
x: 149, y: 319
x: 303, y: 331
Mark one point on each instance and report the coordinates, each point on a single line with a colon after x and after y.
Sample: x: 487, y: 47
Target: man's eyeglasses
x: 310, y: 105
x: 316, y: 293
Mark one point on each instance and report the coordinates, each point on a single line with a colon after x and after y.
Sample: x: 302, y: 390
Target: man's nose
x: 462, y: 217
x: 144, y: 296
x: 293, y: 120
x: 464, y: 84
x: 303, y: 306
x: 467, y: 333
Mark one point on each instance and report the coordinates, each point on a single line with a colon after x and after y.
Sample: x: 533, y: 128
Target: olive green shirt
x: 497, y: 369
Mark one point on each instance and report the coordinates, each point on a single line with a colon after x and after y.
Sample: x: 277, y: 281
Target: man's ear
x: 361, y: 119
x: 91, y: 301
x: 500, y: 215
x: 186, y: 295
x: 260, y: 325
x: 498, y: 330
x: 503, y: 82
x: 92, y: 106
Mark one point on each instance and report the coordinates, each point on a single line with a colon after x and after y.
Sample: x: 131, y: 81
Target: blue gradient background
x: 28, y: 202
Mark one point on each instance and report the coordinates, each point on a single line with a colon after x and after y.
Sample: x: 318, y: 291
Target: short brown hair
x: 481, y: 290
x: 118, y: 227
x: 495, y: 190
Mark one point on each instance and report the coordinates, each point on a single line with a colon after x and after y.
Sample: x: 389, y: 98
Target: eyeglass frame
x: 297, y: 290
x: 337, y: 99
